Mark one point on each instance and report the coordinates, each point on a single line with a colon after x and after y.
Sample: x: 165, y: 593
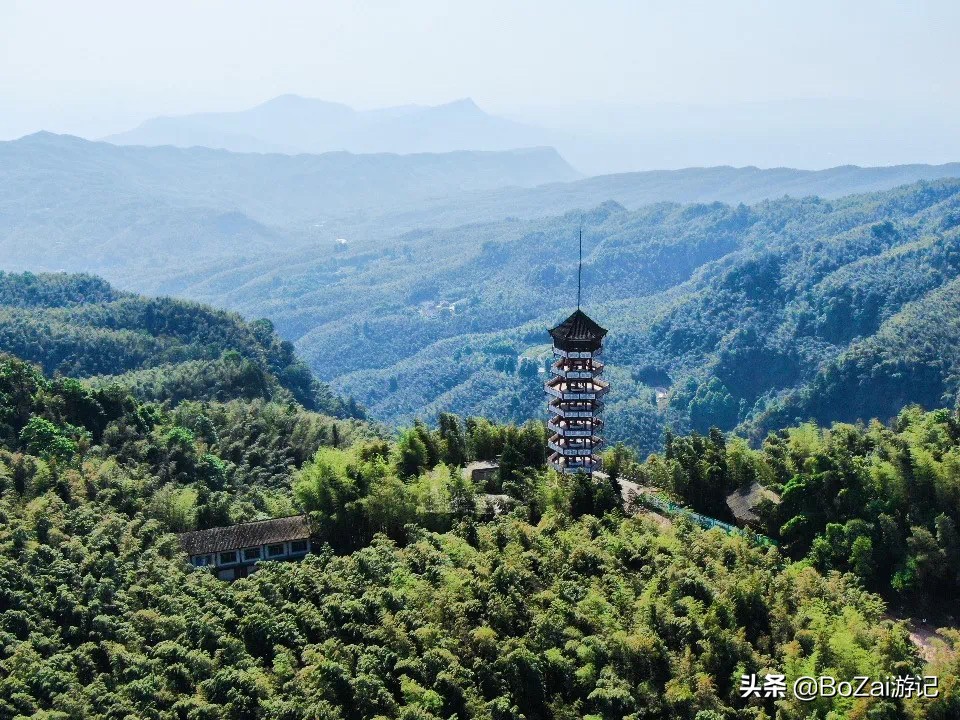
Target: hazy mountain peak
x: 286, y: 99
x: 464, y: 105
x: 291, y: 102
x: 295, y: 124
x: 45, y: 136
x: 40, y: 135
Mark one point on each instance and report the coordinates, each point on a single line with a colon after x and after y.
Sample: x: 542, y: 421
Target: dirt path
x: 923, y: 635
x: 629, y: 491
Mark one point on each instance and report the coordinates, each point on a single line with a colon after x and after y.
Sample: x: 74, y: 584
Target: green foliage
x: 350, y: 495
x: 201, y: 464
x: 712, y: 405
x: 42, y: 438
x: 565, y: 619
x: 158, y: 349
x: 882, y: 502
x: 412, y: 454
x: 325, y: 491
x: 175, y: 508
x: 424, y: 605
x: 428, y: 610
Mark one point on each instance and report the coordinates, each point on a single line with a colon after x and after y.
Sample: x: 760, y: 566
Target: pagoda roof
x: 579, y: 327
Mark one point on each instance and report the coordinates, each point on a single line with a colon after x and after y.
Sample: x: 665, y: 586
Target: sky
x: 99, y: 67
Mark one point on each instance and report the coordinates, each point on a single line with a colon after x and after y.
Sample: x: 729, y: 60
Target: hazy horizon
x: 641, y: 85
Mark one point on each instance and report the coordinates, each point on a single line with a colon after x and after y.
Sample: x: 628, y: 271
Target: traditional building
x: 234, y: 551
x: 574, y: 394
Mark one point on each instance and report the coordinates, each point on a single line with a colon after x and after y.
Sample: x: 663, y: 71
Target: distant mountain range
x: 67, y: 202
x: 811, y: 134
x: 748, y: 317
x: 422, y: 282
x: 293, y: 124
x: 71, y: 204
x: 636, y: 189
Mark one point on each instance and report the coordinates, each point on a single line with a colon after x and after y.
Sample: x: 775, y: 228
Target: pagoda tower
x: 574, y: 392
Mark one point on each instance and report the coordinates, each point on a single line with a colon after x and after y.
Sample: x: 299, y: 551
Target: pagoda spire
x: 580, y: 265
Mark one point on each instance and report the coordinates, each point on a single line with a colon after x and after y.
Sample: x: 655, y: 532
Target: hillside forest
x: 422, y: 283
x: 425, y: 602
x: 784, y: 332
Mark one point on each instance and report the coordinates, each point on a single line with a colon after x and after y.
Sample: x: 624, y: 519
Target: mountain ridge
x: 731, y: 313
x: 79, y: 326
x: 416, y: 313
x: 720, y: 183
x: 95, y: 204
x: 294, y: 124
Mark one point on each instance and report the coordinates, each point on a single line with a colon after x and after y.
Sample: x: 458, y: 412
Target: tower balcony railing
x: 576, y: 428
x: 587, y: 463
x: 577, y: 353
x: 565, y: 441
x: 565, y: 390
x: 565, y: 447
x: 574, y: 374
x: 570, y: 452
x: 561, y: 369
x: 568, y: 409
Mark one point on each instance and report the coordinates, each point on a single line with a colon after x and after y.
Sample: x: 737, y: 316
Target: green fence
x: 704, y: 521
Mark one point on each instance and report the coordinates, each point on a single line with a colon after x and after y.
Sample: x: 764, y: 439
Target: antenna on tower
x: 580, y: 263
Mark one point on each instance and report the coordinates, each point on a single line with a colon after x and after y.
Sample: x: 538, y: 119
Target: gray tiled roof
x: 579, y: 327
x: 243, y: 535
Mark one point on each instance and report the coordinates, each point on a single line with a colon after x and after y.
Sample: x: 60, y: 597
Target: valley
x: 423, y: 311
